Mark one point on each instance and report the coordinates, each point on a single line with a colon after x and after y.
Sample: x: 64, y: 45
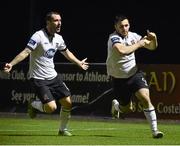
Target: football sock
x: 64, y: 117
x: 151, y: 117
x: 37, y: 105
x: 116, y: 105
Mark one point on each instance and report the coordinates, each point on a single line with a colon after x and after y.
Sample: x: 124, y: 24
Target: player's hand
x: 84, y: 65
x: 7, y: 67
x: 150, y: 35
x: 143, y: 42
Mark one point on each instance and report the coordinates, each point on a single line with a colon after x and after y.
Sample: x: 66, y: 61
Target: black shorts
x: 49, y: 90
x: 124, y: 89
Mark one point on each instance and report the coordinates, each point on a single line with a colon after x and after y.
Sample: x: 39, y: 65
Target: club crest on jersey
x: 50, y: 53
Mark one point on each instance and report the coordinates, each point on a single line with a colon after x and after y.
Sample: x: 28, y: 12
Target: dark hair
x: 49, y: 15
x: 119, y: 17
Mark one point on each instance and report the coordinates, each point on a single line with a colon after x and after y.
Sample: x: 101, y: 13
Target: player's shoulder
x: 114, y: 34
x: 134, y: 35
x: 39, y: 33
x: 58, y: 37
x: 131, y: 33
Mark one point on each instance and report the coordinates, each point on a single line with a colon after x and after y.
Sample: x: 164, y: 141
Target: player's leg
x: 122, y: 104
x: 140, y: 87
x: 127, y: 108
x: 45, y: 103
x: 65, y: 114
x: 119, y: 111
x: 115, y: 109
x: 62, y: 95
x: 149, y: 111
x: 39, y: 105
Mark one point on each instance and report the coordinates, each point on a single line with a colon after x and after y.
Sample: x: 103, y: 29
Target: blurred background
x: 87, y: 24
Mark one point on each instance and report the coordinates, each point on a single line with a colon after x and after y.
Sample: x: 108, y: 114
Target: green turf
x: 43, y: 131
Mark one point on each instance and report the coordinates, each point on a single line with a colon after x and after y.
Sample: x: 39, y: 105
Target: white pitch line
x: 36, y: 130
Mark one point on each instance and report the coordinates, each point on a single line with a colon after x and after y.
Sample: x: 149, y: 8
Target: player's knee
x: 146, y: 104
x: 67, y: 108
x: 50, y: 108
x: 127, y: 109
x: 66, y: 103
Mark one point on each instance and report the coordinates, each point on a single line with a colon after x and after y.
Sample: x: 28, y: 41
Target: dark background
x: 86, y: 25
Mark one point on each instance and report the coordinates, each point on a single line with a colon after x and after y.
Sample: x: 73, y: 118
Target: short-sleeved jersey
x: 120, y: 65
x: 41, y: 65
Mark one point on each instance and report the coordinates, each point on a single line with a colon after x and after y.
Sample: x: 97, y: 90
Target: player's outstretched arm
x: 21, y: 56
x: 71, y: 57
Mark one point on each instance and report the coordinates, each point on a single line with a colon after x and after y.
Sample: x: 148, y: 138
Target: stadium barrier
x: 91, y: 89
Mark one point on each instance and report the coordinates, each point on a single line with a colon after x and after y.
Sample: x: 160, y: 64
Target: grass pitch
x: 18, y: 130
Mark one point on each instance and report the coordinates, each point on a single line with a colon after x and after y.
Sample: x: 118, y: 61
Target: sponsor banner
x: 91, y: 89
x: 164, y: 82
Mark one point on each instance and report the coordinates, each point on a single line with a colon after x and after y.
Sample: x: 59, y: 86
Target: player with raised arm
x: 51, y: 90
x: 127, y: 79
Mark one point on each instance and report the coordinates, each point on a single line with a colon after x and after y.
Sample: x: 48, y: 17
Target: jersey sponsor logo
x: 132, y: 42
x: 115, y: 39
x: 50, y: 53
x: 32, y: 42
x: 57, y: 44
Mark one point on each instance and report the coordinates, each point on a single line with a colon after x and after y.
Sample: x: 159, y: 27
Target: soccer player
x: 126, y: 78
x: 51, y: 90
